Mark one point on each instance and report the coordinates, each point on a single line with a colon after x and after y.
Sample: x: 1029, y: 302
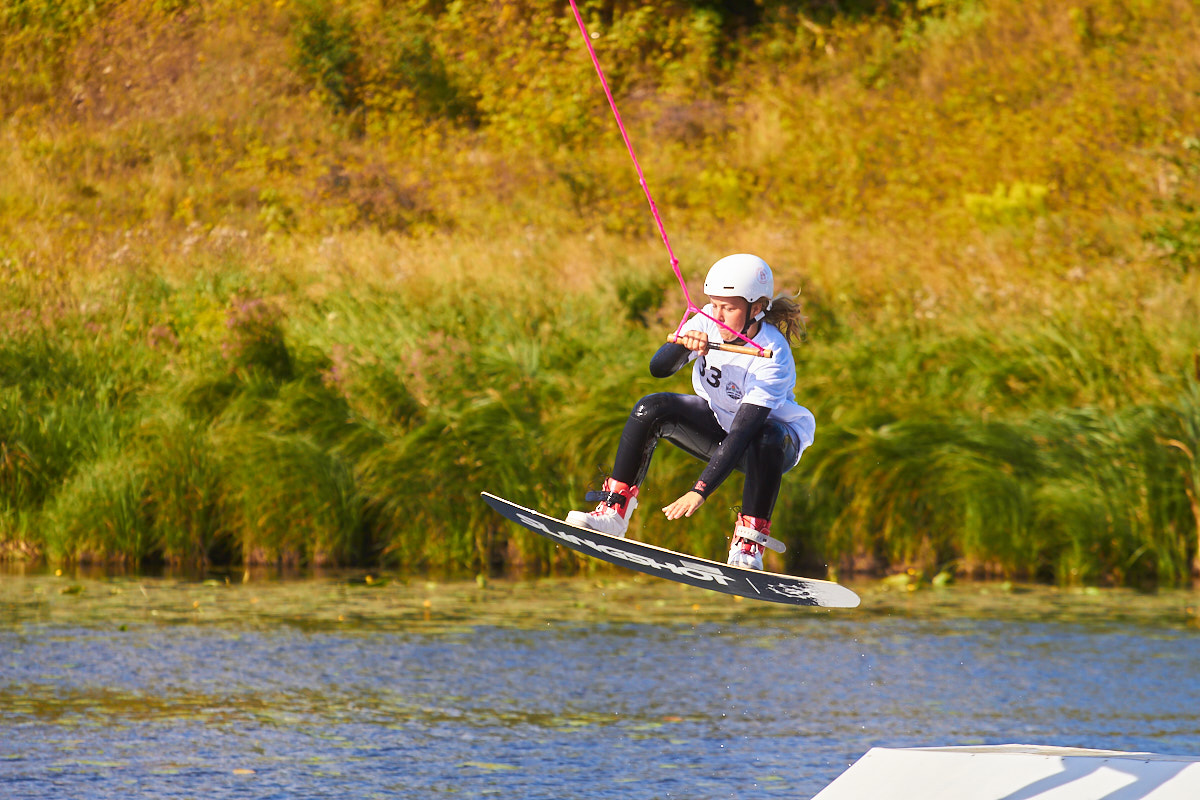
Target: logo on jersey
x: 733, y: 390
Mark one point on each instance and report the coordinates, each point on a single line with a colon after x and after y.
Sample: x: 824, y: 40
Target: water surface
x: 614, y: 688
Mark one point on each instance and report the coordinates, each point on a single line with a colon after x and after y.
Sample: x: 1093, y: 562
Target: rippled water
x: 569, y: 689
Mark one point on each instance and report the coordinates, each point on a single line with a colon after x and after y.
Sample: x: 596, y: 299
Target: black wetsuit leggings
x: 687, y: 422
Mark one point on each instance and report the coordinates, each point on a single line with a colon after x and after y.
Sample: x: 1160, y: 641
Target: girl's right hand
x: 694, y: 340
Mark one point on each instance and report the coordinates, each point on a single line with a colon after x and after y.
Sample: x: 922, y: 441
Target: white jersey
x: 727, y: 380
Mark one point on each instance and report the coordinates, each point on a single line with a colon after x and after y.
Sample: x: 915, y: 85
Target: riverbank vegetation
x: 294, y: 281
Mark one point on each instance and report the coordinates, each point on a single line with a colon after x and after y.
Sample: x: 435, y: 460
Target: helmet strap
x: 750, y: 323
x: 760, y: 316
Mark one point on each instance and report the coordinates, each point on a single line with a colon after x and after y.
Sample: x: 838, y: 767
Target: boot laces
x: 607, y: 507
x: 749, y: 547
x: 604, y: 510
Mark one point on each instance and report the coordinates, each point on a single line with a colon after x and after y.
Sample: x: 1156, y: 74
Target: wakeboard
x: 679, y: 567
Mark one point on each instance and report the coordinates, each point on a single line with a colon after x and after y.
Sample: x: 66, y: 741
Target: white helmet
x: 740, y: 275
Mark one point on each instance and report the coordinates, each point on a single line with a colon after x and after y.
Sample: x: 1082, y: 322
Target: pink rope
x: 691, y: 306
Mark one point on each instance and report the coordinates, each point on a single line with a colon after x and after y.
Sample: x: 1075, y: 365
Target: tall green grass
x: 360, y: 427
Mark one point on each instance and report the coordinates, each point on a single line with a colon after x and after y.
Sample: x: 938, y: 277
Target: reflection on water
x: 555, y: 689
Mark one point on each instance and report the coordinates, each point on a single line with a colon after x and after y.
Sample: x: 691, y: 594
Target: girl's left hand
x: 684, y: 506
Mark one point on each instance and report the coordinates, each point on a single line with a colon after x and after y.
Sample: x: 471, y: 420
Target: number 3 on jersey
x: 711, y: 375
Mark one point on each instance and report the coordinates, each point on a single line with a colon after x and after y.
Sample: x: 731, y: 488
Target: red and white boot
x: 617, y: 502
x: 750, y: 539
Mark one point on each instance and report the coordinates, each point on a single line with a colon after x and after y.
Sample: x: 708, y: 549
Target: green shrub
x: 327, y: 51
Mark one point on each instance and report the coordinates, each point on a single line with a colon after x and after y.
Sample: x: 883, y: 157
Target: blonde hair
x: 788, y: 317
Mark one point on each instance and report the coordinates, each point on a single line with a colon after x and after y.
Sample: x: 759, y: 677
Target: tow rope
x: 691, y: 306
